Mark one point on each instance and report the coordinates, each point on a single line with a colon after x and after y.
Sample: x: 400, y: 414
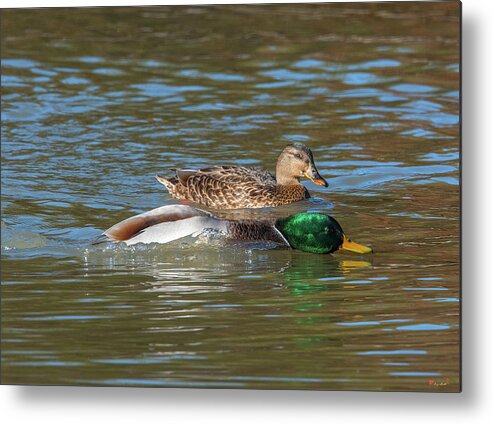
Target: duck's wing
x: 262, y: 176
x: 227, y: 186
x: 228, y: 174
x: 160, y: 225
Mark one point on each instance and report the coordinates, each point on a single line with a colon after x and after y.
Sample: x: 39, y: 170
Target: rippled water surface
x: 95, y: 102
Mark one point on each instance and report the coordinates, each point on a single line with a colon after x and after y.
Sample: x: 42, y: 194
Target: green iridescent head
x: 316, y: 233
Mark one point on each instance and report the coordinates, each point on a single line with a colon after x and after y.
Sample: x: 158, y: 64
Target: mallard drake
x: 310, y: 232
x: 235, y: 187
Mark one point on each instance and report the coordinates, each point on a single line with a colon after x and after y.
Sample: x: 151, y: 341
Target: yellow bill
x: 352, y: 246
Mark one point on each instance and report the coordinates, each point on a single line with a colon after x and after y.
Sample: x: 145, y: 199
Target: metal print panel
x: 303, y: 231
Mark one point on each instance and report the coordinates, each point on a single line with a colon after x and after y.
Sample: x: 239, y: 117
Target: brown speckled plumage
x: 234, y: 187
x: 249, y: 229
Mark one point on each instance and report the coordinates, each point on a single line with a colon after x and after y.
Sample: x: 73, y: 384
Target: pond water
x: 95, y: 102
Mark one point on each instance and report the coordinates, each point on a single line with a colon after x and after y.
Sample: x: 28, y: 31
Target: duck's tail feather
x: 159, y: 225
x: 168, y: 182
x: 183, y: 174
x: 103, y: 238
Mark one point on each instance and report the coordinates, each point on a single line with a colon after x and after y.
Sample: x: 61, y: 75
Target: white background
x: 52, y: 405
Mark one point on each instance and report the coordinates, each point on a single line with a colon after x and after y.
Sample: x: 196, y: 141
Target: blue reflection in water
x: 413, y: 88
x: 19, y: 63
x: 75, y: 81
x: 422, y: 327
x: 162, y: 383
x: 91, y: 59
x: 394, y: 352
x: 286, y: 74
x: 360, y: 78
x: 415, y: 374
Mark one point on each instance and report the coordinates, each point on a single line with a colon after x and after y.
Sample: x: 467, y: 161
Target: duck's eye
x: 299, y: 156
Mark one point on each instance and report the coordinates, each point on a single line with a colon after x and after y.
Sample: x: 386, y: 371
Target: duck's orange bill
x: 351, y: 246
x: 317, y: 179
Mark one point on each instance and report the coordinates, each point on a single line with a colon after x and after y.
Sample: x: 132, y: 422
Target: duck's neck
x: 284, y: 180
x: 283, y: 176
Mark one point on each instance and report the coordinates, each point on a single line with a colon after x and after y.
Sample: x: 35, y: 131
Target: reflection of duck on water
x: 310, y: 232
x: 307, y: 274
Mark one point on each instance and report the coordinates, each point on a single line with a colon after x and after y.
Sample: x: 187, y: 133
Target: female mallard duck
x: 235, y: 187
x: 310, y: 232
